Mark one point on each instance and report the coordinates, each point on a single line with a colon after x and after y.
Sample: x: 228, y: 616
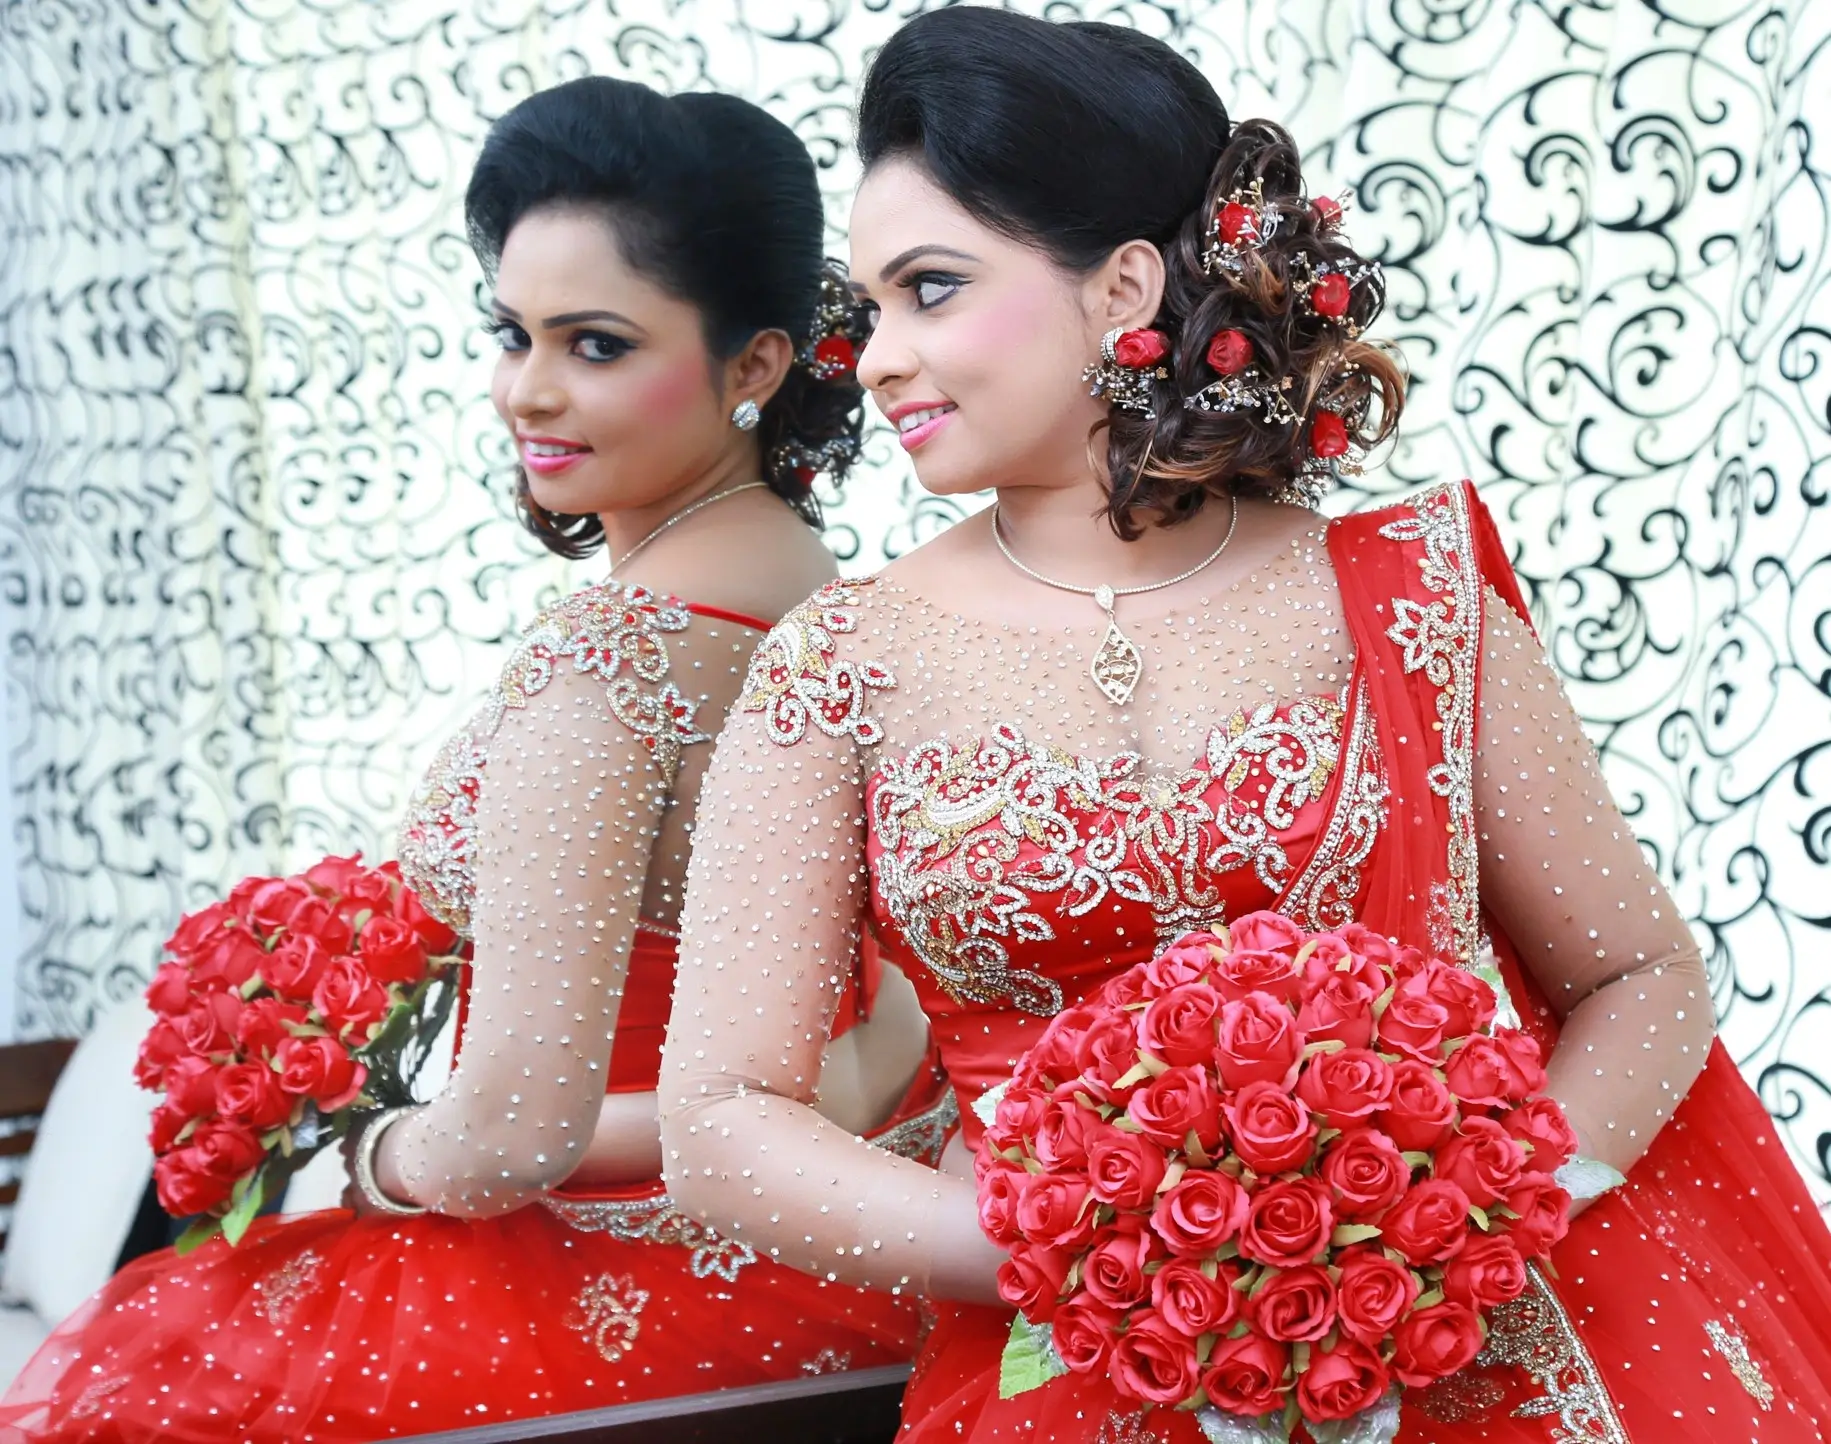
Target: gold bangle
x: 363, y: 1167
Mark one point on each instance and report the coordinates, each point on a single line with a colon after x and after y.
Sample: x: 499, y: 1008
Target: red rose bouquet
x: 1271, y: 1176
x: 282, y: 1013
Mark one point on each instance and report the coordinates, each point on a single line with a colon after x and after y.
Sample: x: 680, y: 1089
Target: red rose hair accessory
x: 1328, y: 292
x: 837, y: 333
x: 1328, y: 211
x: 1240, y: 223
x: 1129, y: 362
x: 1243, y: 385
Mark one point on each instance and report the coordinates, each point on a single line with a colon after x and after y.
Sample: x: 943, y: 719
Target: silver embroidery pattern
x: 656, y: 1220
x: 606, y: 631
x: 954, y: 819
x: 89, y: 1402
x: 1535, y: 1334
x: 1323, y: 895
x: 923, y: 1137
x: 827, y: 1361
x: 1442, y: 639
x: 278, y: 1293
x: 1728, y: 1341
x: 795, y: 680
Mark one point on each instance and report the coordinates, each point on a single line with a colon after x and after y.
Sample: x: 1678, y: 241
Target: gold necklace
x: 1117, y: 664
x: 680, y: 516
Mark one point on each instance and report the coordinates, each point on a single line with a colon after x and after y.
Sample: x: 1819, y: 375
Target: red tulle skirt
x: 1696, y: 1298
x: 328, y: 1327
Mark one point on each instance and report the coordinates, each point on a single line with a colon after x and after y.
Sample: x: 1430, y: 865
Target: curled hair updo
x: 716, y: 202
x: 1077, y: 138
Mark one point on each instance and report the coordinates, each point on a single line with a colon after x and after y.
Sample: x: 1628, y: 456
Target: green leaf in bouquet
x: 1192, y: 1146
x: 1347, y: 1233
x: 1172, y: 1175
x: 1029, y: 1360
x: 237, y: 1219
x: 1326, y: 1136
x: 1383, y: 1002
x: 1376, y: 1424
x: 1480, y: 1215
x: 1417, y: 1158
x: 253, y: 985
x: 1219, y: 1427
x: 1585, y: 1178
x: 1137, y: 1073
x: 1429, y: 1299
x: 1322, y: 1046
x: 200, y: 1232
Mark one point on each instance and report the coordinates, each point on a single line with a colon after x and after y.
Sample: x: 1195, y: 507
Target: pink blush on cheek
x: 671, y: 392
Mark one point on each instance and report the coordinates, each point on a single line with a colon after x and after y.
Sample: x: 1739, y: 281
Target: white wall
x: 9, y: 888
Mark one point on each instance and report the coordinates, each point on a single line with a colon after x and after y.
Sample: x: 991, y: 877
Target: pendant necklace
x: 1117, y: 664
x: 680, y: 516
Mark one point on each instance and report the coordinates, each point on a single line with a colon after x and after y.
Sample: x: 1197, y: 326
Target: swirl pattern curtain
x: 256, y: 547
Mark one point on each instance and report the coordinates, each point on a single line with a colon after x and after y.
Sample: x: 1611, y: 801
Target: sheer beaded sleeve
x: 777, y: 886
x: 563, y: 832
x: 1563, y: 876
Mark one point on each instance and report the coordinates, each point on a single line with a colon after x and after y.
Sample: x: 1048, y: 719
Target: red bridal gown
x: 1362, y: 730
x: 330, y: 1327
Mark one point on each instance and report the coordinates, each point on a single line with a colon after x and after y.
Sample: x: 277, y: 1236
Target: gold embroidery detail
x: 794, y: 679
x: 1730, y: 1343
x: 604, y: 630
x: 923, y: 1137
x: 1535, y: 1334
x: 1119, y: 1428
x: 279, y: 1292
x: 1442, y: 639
x: 1465, y: 1398
x: 1323, y: 895
x: 953, y: 820
x: 827, y: 1361
x: 657, y: 1220
x: 608, y: 1315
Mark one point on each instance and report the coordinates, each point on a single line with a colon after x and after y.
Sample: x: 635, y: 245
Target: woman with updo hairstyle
x: 676, y: 369
x: 1152, y: 696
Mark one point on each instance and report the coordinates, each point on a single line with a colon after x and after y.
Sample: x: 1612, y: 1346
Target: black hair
x: 1079, y: 137
x: 714, y: 200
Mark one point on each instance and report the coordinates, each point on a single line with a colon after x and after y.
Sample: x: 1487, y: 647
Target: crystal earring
x: 746, y: 415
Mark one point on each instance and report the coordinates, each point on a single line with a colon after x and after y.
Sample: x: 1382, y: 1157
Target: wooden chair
x: 27, y: 1073
x: 852, y: 1408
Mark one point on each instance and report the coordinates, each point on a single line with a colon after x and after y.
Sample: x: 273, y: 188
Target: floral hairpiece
x: 1129, y: 362
x: 804, y: 462
x: 833, y: 339
x: 1328, y: 290
x: 1240, y: 223
x: 1243, y: 385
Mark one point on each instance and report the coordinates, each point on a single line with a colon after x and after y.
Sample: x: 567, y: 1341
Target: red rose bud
x: 1330, y: 296
x: 1297, y: 1306
x: 1414, y: 1024
x: 349, y: 1000
x: 335, y: 874
x: 167, y: 1123
x: 1420, y: 1111
x: 438, y: 939
x: 1478, y: 1073
x: 1470, y: 1001
x: 1327, y: 210
x: 186, y: 1186
x: 1051, y: 1212
x: 1544, y: 1215
x: 1434, y: 1343
x: 1031, y: 1280
x: 1347, y: 1087
x: 1230, y: 352
x: 320, y: 1069
x: 1246, y: 1375
x: 1176, y: 1103
x: 1341, y: 1382
x: 1527, y: 1072
x: 227, y: 1150
x: 1257, y: 971
x: 1001, y: 1185
x: 1272, y: 1132
x: 1153, y: 1363
x: 1259, y: 1042
x: 1187, y: 962
x: 392, y: 951
x: 1482, y: 1161
x: 1138, y: 349
x: 1488, y: 1272
x: 1239, y: 224
x: 1179, y: 1027
x: 190, y: 1086
x: 1124, y: 1169
x: 1372, y: 1295
x: 262, y: 1026
x: 1288, y: 1223
x: 250, y: 1093
x: 1339, y: 1010
x: 1065, y: 1131
x: 1052, y: 1056
x: 1328, y: 435
x: 1114, y: 1271
x: 1107, y: 1051
x: 1267, y: 932
x: 1191, y: 1302
x: 1201, y: 1213
x: 169, y: 993
x: 1430, y: 1224
x: 836, y: 354
x: 1541, y: 1123
x: 199, y: 929
x: 1365, y: 1172
x: 293, y: 968
x: 159, y: 1050
x: 1083, y: 1334
x: 208, y: 1025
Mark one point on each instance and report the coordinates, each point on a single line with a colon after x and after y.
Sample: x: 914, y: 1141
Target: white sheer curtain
x: 256, y: 550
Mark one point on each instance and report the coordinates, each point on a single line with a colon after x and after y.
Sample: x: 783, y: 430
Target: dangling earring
x: 1128, y: 364
x: 746, y: 414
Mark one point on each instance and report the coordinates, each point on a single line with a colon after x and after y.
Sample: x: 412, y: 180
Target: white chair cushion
x: 21, y: 1332
x: 318, y: 1185
x: 86, y: 1173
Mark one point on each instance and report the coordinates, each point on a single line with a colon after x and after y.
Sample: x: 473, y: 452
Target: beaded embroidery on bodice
x: 613, y: 632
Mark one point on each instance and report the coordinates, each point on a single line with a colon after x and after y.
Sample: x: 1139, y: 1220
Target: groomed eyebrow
x: 570, y: 318
x: 915, y: 253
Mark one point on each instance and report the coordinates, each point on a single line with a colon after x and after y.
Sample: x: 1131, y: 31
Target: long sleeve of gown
x: 1565, y: 880
x: 565, y: 825
x: 776, y: 888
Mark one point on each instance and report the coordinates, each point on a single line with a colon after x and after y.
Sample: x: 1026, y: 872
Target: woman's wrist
x: 376, y: 1178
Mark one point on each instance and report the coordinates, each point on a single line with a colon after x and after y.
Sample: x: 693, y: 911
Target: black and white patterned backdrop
x: 256, y: 547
